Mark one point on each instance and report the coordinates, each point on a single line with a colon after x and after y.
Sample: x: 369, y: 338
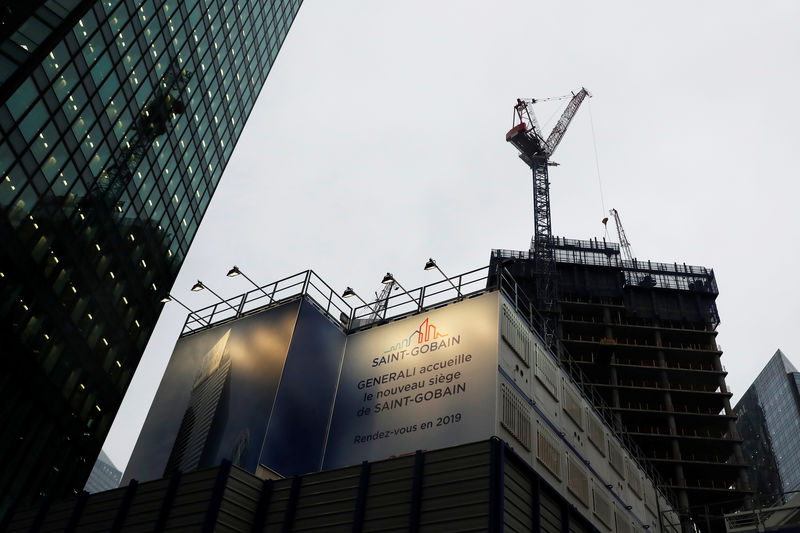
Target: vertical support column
x: 210, y: 520
x: 496, y: 486
x: 663, y: 379
x: 675, y: 449
x: 615, y: 401
x: 687, y: 524
x: 416, y: 492
x: 77, y: 511
x: 612, y: 370
x: 37, y: 521
x: 122, y: 512
x: 536, y: 504
x: 361, y: 498
x: 260, y: 517
x: 169, y: 499
x: 291, y: 505
x: 564, y: 517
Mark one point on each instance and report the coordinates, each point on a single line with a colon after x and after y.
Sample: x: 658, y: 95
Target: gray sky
x: 378, y: 141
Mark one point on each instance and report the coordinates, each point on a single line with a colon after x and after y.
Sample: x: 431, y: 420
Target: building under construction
x: 643, y: 334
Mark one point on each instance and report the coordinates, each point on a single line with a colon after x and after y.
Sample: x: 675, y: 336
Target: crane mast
x: 535, y: 151
x: 634, y: 277
x: 624, y: 243
x: 381, y: 301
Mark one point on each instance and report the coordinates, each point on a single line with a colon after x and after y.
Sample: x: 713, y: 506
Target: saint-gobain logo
x: 425, y: 332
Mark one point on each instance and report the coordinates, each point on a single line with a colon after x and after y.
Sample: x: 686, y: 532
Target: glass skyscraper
x: 104, y: 475
x: 117, y: 118
x: 769, y: 423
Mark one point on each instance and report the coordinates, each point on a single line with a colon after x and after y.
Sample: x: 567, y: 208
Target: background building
x: 117, y: 118
x: 769, y: 423
x: 104, y: 475
x: 643, y: 335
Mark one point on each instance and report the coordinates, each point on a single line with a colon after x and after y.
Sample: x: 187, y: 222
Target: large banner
x: 215, y: 397
x: 254, y: 391
x: 424, y: 382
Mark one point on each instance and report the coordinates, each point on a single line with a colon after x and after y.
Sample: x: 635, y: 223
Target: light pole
x: 388, y: 279
x: 349, y: 293
x: 171, y: 298
x: 199, y: 286
x: 431, y: 264
x: 235, y: 271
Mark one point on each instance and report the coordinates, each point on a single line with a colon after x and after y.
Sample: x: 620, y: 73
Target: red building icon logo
x: 427, y: 332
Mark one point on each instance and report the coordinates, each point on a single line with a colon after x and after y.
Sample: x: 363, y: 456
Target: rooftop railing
x: 599, y: 252
x: 336, y: 308
x: 306, y: 283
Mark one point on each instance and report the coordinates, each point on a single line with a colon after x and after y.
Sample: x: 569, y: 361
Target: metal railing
x: 425, y: 298
x: 636, y: 273
x: 306, y: 283
x: 766, y: 517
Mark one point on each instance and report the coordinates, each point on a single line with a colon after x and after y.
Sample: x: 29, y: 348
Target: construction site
x: 640, y: 336
x: 610, y: 411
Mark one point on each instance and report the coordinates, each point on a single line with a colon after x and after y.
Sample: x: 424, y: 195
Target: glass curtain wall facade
x: 104, y: 475
x: 117, y: 118
x: 769, y: 423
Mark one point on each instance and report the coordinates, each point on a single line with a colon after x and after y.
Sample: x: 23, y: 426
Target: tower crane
x: 527, y: 137
x: 381, y: 301
x: 643, y: 280
x: 624, y: 243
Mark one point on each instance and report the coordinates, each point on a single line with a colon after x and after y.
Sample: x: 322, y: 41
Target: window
x: 33, y: 121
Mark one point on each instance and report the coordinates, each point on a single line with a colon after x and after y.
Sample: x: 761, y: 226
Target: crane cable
x: 597, y: 167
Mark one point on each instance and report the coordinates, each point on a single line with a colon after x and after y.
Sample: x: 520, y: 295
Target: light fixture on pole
x: 235, y: 271
x: 349, y: 293
x: 388, y: 279
x: 199, y: 286
x: 170, y: 298
x: 431, y: 264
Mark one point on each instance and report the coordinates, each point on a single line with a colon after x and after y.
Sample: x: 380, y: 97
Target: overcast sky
x: 379, y: 141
